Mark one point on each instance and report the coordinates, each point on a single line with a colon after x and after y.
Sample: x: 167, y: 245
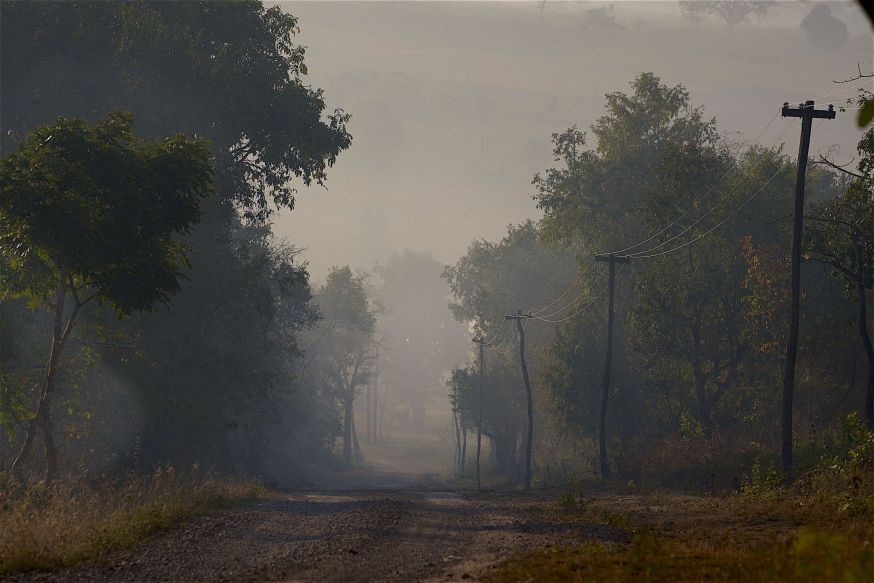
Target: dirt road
x: 371, y: 535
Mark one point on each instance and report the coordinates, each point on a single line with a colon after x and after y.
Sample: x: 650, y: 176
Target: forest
x: 664, y: 372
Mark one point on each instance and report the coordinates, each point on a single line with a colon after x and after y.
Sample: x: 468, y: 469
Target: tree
x: 490, y: 280
x: 229, y: 71
x: 660, y: 163
x: 90, y: 213
x: 841, y: 235
x: 655, y: 157
x: 733, y: 12
x: 202, y: 379
x: 342, y: 351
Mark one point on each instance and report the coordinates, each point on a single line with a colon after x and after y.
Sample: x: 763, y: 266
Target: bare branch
x: 840, y: 167
x: 857, y: 77
x: 833, y: 262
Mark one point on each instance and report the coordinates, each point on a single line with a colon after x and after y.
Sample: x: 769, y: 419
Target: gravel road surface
x: 346, y: 535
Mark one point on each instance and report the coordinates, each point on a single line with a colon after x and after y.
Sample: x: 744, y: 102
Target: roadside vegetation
x: 819, y: 528
x: 87, y: 519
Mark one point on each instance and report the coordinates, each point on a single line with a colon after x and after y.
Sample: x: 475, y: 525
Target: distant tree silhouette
x: 733, y: 12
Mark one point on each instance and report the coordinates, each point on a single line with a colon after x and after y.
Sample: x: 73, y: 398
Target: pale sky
x: 454, y: 104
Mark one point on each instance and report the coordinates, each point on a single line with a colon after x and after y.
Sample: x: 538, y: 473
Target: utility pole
x: 479, y: 414
x: 519, y: 316
x: 611, y: 260
x: 807, y: 113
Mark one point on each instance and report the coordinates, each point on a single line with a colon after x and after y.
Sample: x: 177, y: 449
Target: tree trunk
x: 356, y: 446
x: 463, y: 446
x: 504, y: 448
x: 863, y: 332
x: 43, y: 418
x: 347, y: 430
x: 456, y: 456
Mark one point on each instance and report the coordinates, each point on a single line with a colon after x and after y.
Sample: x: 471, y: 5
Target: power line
x: 711, y: 209
x: 845, y: 89
x: 576, y: 299
x: 495, y: 335
x: 700, y: 200
x: 564, y: 293
x: 716, y: 226
x: 723, y: 221
x: 581, y: 310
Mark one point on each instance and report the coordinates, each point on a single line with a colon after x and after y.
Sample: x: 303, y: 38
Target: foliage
x: 216, y: 376
x: 230, y: 72
x: 97, y: 206
x: 88, y: 211
x: 733, y: 12
x: 517, y: 271
x: 340, y: 349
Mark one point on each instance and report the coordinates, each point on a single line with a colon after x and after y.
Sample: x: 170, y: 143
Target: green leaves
x: 102, y: 205
x: 229, y: 71
x: 866, y: 113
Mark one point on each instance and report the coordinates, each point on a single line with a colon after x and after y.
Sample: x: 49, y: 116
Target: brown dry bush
x: 82, y: 519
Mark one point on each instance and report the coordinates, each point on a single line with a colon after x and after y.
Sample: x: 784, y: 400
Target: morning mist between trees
x: 590, y: 281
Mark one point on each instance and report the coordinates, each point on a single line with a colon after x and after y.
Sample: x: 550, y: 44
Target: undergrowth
x: 82, y: 520
x: 819, y: 527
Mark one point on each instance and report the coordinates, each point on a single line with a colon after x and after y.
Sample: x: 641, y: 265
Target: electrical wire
x: 717, y: 225
x: 564, y: 293
x: 714, y: 207
x: 845, y: 89
x: 495, y: 335
x: 700, y: 200
x: 729, y: 216
x: 586, y: 291
x: 584, y: 308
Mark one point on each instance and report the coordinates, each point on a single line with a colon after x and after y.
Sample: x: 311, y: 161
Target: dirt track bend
x: 365, y: 535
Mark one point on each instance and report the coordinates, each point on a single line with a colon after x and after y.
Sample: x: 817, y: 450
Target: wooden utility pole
x: 479, y: 414
x: 611, y: 260
x: 807, y: 113
x: 518, y: 316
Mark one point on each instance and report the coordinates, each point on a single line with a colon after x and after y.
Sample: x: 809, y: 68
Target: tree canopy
x: 97, y: 205
x: 229, y: 71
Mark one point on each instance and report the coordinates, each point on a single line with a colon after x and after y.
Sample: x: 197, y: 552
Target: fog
x: 396, y: 291
x: 453, y: 104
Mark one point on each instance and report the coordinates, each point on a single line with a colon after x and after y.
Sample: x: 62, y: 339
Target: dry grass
x: 82, y: 521
x: 814, y: 556
x: 682, y: 538
x: 819, y: 529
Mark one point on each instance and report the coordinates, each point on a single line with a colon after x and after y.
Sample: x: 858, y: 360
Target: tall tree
x: 229, y: 71
x: 342, y: 350
x: 207, y: 373
x: 90, y: 213
x: 841, y: 234
x: 490, y: 280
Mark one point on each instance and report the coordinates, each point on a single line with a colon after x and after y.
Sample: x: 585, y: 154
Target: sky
x: 453, y: 104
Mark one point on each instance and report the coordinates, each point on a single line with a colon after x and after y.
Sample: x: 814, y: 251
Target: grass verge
x: 820, y: 528
x: 81, y: 521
